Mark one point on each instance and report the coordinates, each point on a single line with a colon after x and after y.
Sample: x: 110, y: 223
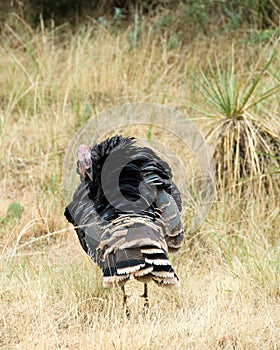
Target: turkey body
x: 127, y: 217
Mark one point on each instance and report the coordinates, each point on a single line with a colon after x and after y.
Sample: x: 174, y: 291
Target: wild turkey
x: 126, y: 212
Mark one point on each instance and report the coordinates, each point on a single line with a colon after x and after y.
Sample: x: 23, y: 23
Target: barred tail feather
x: 135, y: 246
x: 144, y: 263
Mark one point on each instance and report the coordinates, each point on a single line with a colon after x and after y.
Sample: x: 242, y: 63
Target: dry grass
x: 50, y: 293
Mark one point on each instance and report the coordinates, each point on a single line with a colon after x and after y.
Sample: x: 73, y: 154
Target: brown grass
x: 50, y: 293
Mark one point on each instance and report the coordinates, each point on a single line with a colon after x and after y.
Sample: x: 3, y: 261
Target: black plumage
x: 128, y: 216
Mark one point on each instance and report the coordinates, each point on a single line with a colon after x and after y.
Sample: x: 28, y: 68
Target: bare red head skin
x: 84, y: 162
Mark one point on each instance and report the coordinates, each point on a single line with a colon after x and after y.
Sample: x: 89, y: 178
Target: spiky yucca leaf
x: 240, y: 136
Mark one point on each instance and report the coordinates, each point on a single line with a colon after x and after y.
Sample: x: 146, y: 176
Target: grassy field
x: 51, y: 295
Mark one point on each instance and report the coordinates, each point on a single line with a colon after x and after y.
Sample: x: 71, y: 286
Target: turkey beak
x: 89, y: 173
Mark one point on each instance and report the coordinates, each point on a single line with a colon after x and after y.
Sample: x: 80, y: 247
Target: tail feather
x: 109, y: 281
x: 135, y: 246
x: 129, y: 261
x: 166, y: 282
x: 122, y: 264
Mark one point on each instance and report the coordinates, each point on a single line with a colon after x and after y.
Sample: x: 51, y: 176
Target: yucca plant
x: 243, y: 130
